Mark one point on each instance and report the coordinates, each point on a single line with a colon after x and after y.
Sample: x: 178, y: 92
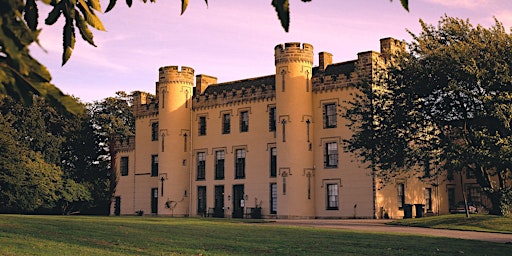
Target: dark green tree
x: 446, y: 102
x: 112, y: 119
x: 27, y: 182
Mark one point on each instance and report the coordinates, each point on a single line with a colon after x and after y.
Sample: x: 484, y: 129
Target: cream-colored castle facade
x: 269, y: 146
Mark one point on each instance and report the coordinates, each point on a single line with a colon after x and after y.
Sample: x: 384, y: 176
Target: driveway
x: 380, y: 226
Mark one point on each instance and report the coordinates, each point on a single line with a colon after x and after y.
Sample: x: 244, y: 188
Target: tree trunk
x: 500, y: 203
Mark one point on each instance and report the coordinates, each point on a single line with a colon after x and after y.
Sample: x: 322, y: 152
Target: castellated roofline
x: 293, y: 52
x: 174, y: 74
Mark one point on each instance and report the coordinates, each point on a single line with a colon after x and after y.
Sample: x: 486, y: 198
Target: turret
x: 175, y: 89
x: 294, y: 108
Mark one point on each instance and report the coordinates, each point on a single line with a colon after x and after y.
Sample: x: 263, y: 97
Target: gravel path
x: 380, y: 226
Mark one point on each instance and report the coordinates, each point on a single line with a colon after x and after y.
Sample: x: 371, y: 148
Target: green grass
x: 84, y: 235
x: 476, y: 222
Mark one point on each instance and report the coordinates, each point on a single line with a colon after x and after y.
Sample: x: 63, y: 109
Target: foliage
x: 111, y: 118
x: 447, y: 103
x: 21, y: 76
x: 27, y: 182
x: 57, y: 162
x: 82, y: 235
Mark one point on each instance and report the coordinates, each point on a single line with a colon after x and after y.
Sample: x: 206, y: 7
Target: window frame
x: 201, y: 200
x: 201, y: 166
x: 331, y: 158
x: 332, y: 190
x: 401, y: 195
x: 273, y: 198
x: 124, y: 162
x: 154, y: 165
x: 226, y: 123
x: 220, y: 162
x: 428, y: 199
x: 272, y: 119
x: 202, y: 126
x: 273, y: 162
x: 240, y: 163
x: 154, y: 131
x: 330, y: 117
x: 244, y: 121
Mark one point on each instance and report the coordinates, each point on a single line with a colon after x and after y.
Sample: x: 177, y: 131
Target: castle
x: 268, y: 147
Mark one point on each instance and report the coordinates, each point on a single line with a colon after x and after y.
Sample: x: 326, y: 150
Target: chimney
x: 202, y: 82
x: 324, y: 59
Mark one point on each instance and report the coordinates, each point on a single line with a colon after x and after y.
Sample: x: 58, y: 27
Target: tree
x: 48, y: 139
x: 112, y: 119
x: 27, y: 181
x: 22, y: 76
x: 446, y: 102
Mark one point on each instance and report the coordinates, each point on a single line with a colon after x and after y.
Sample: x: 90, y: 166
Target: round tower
x: 175, y: 92
x: 294, y: 111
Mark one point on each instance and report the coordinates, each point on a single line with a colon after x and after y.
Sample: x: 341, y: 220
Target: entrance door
x: 238, y: 201
x: 117, y: 206
x: 218, y: 210
x: 154, y: 200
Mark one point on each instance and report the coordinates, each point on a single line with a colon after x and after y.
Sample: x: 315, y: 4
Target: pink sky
x: 233, y: 39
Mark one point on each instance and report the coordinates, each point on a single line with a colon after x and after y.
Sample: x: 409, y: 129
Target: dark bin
x: 407, y: 211
x: 419, y: 210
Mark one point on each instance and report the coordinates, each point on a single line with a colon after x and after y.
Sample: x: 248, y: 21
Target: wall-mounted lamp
x: 229, y: 197
x: 246, y: 197
x: 185, y: 194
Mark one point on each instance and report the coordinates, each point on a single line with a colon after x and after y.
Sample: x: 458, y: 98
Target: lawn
x: 476, y: 222
x: 86, y: 235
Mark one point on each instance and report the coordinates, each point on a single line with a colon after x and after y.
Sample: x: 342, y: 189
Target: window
x: 273, y: 162
x: 451, y: 197
x: 219, y: 164
x: 226, y: 123
x: 401, y: 195
x: 240, y: 164
x: 124, y: 166
x: 428, y: 199
x: 273, y: 198
x: 244, y: 121
x: 202, y: 125
x: 332, y: 196
x: 154, y: 131
x: 201, y: 163
x: 474, y: 197
x: 201, y: 200
x: 154, y: 165
x: 272, y: 119
x: 331, y: 155
x: 330, y: 115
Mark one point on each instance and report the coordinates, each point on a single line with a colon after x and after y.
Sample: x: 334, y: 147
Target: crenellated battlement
x: 293, y: 52
x: 173, y: 74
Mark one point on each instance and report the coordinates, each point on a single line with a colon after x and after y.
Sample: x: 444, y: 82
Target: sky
x: 233, y: 39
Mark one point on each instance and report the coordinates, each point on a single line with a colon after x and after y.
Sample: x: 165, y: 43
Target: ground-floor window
x: 201, y: 200
x: 273, y: 198
x: 401, y: 195
x: 332, y: 197
x: 428, y: 199
x: 474, y: 195
x: 451, y: 197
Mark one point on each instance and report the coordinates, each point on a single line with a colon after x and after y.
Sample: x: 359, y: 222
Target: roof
x: 345, y: 68
x: 246, y: 83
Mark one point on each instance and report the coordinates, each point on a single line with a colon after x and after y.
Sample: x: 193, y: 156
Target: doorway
x: 154, y: 201
x: 218, y: 210
x: 238, y: 201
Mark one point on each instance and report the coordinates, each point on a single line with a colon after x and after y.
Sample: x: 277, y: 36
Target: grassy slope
x: 79, y: 235
x: 477, y: 222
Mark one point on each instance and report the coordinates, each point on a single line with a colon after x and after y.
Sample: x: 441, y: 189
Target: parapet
x: 293, y: 52
x: 171, y: 74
